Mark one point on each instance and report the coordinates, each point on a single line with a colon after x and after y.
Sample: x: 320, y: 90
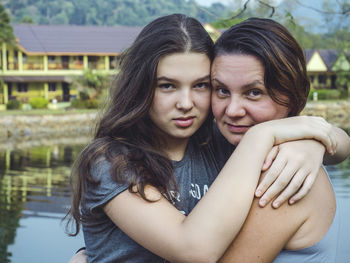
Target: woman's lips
x: 184, y: 122
x: 238, y: 128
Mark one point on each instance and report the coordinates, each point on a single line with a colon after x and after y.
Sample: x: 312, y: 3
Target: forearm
x: 215, y: 217
x: 342, y: 149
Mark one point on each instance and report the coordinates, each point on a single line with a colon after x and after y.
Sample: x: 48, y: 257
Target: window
x: 52, y: 58
x: 322, y: 79
x: 52, y: 87
x: 22, y: 87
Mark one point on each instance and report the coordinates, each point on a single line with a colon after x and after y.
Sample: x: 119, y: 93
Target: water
x: 34, y: 196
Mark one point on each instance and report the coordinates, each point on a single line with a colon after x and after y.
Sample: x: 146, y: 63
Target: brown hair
x: 125, y: 135
x: 282, y: 58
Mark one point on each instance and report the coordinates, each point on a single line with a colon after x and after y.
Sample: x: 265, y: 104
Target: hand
x: 292, y: 169
x: 302, y: 127
x: 79, y: 257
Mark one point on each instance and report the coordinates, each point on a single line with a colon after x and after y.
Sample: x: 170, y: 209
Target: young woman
x: 140, y: 183
x: 258, y: 75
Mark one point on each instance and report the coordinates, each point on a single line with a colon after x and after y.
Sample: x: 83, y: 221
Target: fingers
x: 270, y: 158
x: 283, y: 176
x: 271, y: 175
x: 306, y: 186
x: 291, y: 189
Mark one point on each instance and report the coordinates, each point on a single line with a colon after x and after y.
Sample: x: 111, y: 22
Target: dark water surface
x: 34, y: 196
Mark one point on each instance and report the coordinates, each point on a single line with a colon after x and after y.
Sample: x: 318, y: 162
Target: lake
x: 34, y: 196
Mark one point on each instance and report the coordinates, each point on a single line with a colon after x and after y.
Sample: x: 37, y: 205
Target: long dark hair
x: 125, y: 135
x: 282, y: 58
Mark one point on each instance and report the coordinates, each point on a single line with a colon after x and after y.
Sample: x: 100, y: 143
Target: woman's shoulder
x: 317, y: 211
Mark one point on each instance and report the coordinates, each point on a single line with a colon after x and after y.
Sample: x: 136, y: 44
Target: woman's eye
x: 221, y: 92
x: 202, y: 85
x: 254, y: 93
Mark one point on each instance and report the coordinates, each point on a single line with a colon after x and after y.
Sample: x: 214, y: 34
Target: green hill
x: 105, y: 12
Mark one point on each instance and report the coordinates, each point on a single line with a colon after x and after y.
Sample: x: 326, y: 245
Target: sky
x: 307, y: 17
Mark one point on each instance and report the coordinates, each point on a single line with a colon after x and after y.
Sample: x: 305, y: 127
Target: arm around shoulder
x: 267, y: 231
x: 342, y: 147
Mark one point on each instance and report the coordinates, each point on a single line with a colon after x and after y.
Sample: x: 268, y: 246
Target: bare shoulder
x: 320, y: 205
x: 290, y: 226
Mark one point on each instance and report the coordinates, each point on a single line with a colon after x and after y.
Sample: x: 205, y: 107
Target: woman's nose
x: 235, y: 108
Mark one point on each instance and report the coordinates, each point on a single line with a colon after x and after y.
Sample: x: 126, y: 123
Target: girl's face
x: 239, y: 98
x: 182, y: 96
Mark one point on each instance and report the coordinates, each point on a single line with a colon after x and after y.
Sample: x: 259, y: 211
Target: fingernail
x: 291, y: 201
x: 276, y: 204
x: 258, y: 193
x: 262, y: 202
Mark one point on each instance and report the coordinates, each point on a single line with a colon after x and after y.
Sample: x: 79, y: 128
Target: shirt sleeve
x: 99, y: 193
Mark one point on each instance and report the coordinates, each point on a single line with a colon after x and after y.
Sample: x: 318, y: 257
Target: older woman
x: 259, y: 75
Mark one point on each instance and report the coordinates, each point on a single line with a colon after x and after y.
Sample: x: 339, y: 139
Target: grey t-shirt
x: 105, y: 242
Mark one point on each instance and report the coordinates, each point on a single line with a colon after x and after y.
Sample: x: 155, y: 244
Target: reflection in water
x: 33, y: 183
x: 34, y: 196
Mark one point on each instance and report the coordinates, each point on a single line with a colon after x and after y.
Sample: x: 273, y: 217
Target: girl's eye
x: 254, y: 93
x: 222, y: 92
x: 202, y: 85
x: 166, y: 86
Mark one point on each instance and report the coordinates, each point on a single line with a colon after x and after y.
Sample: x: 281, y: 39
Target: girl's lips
x: 184, y: 122
x: 237, y: 128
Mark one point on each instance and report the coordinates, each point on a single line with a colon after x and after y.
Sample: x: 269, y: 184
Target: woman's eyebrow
x: 254, y: 84
x: 218, y: 81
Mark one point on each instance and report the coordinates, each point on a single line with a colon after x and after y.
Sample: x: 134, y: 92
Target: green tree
x: 6, y: 30
x: 92, y: 84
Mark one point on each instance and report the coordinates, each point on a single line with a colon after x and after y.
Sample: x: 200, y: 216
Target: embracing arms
x: 293, y: 166
x: 208, y: 230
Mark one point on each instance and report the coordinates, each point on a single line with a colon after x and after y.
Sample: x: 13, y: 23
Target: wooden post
x: 20, y: 61
x: 85, y: 62
x: 46, y: 90
x: 45, y: 63
x: 6, y: 94
x: 4, y: 57
x: 107, y: 63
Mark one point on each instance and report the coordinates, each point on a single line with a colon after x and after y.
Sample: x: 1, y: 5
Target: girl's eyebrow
x: 205, y: 78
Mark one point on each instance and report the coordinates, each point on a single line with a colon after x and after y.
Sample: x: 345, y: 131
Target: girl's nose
x: 185, y: 101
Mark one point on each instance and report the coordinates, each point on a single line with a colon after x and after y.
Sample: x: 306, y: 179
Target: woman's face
x: 239, y: 98
x: 182, y: 96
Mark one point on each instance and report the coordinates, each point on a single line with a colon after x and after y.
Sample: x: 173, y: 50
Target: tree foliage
x: 92, y: 84
x: 103, y: 12
x: 6, y: 30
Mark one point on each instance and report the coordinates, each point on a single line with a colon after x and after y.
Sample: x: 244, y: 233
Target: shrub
x: 78, y: 104
x: 91, y: 104
x: 326, y: 94
x: 85, y: 104
x: 83, y: 95
x: 38, y: 103
x: 14, y: 105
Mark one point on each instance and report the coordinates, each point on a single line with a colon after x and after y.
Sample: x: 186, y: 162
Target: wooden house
x: 323, y: 67
x: 47, y: 58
